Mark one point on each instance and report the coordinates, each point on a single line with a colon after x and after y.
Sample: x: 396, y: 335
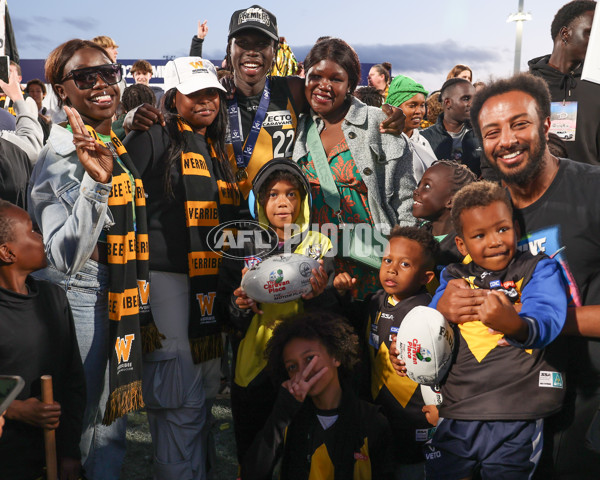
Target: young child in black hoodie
x: 37, y: 337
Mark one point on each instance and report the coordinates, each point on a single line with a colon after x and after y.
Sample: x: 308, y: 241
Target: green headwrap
x: 402, y: 89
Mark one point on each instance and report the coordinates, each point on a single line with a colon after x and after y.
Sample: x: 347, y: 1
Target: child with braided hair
x: 433, y: 201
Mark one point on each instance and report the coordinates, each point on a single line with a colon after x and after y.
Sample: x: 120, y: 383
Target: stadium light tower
x: 519, y: 17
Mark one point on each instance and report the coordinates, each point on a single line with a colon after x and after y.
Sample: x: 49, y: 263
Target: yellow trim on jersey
x: 251, y: 353
x: 383, y: 373
x: 321, y: 467
x: 362, y: 467
x: 478, y: 337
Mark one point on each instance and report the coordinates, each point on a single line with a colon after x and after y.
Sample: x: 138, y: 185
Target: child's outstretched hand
x: 242, y: 300
x: 298, y: 385
x: 398, y: 364
x: 343, y: 282
x: 318, y: 282
x: 498, y: 313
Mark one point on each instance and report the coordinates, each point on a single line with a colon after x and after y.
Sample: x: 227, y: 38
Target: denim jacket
x: 70, y: 208
x: 384, y: 160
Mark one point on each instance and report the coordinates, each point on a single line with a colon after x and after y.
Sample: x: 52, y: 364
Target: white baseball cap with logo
x: 190, y: 74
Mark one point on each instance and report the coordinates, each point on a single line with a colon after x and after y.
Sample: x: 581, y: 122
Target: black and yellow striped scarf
x: 210, y: 200
x: 132, y: 329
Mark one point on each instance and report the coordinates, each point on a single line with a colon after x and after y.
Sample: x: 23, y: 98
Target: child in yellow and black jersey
x: 280, y: 198
x: 318, y: 425
x: 407, y: 266
x: 502, y: 383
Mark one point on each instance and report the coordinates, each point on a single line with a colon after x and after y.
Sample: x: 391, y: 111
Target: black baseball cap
x: 255, y: 18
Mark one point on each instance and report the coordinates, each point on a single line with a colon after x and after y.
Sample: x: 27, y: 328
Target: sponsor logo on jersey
x: 278, y: 118
x: 424, y: 434
x: 495, y: 284
x: 360, y: 456
x: 432, y: 452
x: 550, y: 380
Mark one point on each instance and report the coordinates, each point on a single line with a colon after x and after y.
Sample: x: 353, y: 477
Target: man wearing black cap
x: 257, y: 134
x: 263, y: 113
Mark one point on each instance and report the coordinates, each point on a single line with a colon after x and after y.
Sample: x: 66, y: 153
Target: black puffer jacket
x: 571, y: 88
x: 441, y: 143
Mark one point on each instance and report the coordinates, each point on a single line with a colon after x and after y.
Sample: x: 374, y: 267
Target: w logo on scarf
x: 206, y: 303
x: 123, y: 347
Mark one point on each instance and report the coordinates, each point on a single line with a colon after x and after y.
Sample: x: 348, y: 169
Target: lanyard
x: 243, y: 154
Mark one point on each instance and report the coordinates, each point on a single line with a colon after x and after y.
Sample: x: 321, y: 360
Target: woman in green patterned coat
x: 373, y: 172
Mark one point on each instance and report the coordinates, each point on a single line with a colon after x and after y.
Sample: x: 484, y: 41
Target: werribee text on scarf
x: 209, y: 200
x: 132, y: 329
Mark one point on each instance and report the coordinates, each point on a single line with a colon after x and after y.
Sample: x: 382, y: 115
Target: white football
x: 280, y: 278
x: 425, y: 341
x: 431, y: 395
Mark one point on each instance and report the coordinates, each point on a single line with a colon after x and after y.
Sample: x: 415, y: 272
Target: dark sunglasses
x: 85, y: 78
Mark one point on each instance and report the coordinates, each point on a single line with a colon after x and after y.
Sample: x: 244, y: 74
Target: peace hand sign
x: 95, y: 158
x: 299, y: 386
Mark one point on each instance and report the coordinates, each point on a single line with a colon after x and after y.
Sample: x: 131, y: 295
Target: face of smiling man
x: 514, y: 136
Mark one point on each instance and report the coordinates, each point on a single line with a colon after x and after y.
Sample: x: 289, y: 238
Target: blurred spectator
x: 478, y: 86
x: 570, y: 95
x: 433, y: 109
x: 460, y: 71
x: 408, y: 95
x: 142, y: 73
x: 6, y: 102
x: 37, y: 90
x: 380, y: 76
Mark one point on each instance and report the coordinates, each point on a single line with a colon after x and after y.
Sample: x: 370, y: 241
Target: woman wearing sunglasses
x: 86, y: 197
x: 191, y: 190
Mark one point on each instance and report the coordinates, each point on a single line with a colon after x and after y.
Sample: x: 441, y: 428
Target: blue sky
x: 422, y: 39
